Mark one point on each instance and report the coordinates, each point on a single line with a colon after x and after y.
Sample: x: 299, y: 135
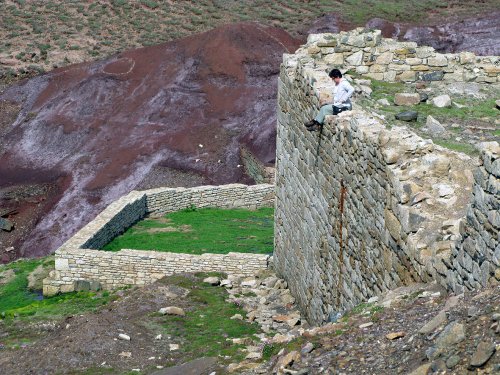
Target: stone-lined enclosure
x: 79, y: 258
x: 362, y: 208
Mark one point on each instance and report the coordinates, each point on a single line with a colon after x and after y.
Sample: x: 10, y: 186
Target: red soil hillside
x: 171, y: 114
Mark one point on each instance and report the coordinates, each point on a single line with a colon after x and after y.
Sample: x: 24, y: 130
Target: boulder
x: 407, y: 116
x: 6, y: 224
x: 483, y: 353
x: 172, y: 310
x: 212, y: 281
x: 434, y: 127
x: 442, y: 101
x: 383, y: 102
x: 497, y: 103
x: 82, y: 286
x: 406, y: 98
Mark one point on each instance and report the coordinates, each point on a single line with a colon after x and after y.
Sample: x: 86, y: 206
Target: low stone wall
x: 135, y: 267
x: 366, y: 52
x: 255, y: 169
x: 76, y: 259
x: 161, y: 201
x: 361, y: 208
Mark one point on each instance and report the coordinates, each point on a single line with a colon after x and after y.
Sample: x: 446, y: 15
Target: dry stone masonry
x: 79, y: 260
x: 362, y: 208
x: 369, y: 54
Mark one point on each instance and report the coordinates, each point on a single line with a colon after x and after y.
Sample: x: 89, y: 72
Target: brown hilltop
x: 172, y: 114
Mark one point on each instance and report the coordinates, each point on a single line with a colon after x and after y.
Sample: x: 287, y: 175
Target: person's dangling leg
x: 323, y: 112
x: 320, y: 118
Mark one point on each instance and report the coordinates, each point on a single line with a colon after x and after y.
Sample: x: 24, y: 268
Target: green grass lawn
x: 198, y: 231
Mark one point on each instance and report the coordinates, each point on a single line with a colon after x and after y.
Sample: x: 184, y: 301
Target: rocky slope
x: 417, y: 329
x: 171, y: 114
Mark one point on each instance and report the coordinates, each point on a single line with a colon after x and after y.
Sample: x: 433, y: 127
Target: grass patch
x: 17, y: 301
x: 198, y: 231
x: 460, y: 147
x: 206, y: 329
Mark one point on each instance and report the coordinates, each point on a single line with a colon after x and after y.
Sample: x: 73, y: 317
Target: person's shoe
x: 314, y: 128
x: 310, y: 123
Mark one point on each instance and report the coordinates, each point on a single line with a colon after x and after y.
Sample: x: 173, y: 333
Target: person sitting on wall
x: 341, y: 102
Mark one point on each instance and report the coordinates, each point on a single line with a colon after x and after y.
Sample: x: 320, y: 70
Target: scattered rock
x: 442, y: 101
x: 497, y: 103
x: 434, y: 127
x: 422, y: 370
x: 395, y: 335
x: 373, y: 299
x: 452, y: 334
x: 172, y: 310
x: 237, y: 317
x: 435, y: 322
x: 250, y: 282
x: 365, y: 325
x: 125, y: 354
x: 366, y: 90
x: 293, y: 322
x: 254, y: 355
x: 81, y: 285
x: 158, y: 337
x: 173, y: 347
x: 383, y: 102
x: 423, y: 97
x: 452, y: 361
x: 483, y: 353
x: 406, y: 99
x: 407, y: 116
x: 287, y: 360
x: 123, y: 336
x: 6, y: 224
x: 444, y: 190
x: 307, y: 348
x: 212, y: 281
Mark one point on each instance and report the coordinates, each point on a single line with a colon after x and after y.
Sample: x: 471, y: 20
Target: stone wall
x: 476, y: 257
x: 362, y: 208
x: 133, y: 267
x: 369, y: 54
x: 255, y: 169
x: 75, y: 259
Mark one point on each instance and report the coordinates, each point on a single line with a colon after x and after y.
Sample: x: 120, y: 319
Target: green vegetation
x: 18, y: 301
x: 207, y: 328
x: 466, y: 112
x: 197, y: 231
x: 134, y: 23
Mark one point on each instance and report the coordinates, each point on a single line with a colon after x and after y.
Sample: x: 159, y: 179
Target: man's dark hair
x: 335, y: 73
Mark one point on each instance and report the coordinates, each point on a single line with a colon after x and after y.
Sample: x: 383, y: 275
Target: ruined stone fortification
x: 367, y: 53
x: 362, y: 208
x: 79, y: 257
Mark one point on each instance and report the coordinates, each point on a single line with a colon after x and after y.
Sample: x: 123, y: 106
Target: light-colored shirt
x: 342, y: 94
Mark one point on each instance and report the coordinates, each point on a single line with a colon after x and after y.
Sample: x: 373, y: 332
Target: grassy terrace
x: 198, y: 231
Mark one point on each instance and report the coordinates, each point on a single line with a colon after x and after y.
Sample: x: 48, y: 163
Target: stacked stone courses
x: 361, y: 208
x: 79, y: 258
x: 369, y: 54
